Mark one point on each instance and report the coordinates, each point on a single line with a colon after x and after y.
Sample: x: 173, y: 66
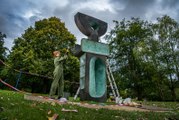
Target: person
x: 58, y: 80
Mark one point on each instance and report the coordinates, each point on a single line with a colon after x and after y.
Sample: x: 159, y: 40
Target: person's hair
x: 55, y: 53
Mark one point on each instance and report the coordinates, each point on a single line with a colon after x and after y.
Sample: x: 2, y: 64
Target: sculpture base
x: 84, y: 96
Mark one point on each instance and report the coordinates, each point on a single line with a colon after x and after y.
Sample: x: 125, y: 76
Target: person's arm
x: 62, y: 58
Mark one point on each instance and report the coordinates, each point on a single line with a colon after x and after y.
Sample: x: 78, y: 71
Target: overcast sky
x: 17, y: 15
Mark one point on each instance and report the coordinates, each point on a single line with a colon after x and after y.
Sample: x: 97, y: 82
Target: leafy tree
x: 2, y: 48
x: 145, y: 57
x: 32, y: 52
x: 167, y: 30
x: 127, y: 38
x: 2, y: 54
x: 152, y: 67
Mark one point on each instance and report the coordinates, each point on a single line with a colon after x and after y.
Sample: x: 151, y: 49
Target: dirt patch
x: 143, y: 108
x: 112, y: 107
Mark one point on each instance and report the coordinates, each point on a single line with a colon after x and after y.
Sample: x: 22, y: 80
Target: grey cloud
x: 67, y: 15
x: 170, y: 3
x: 13, y: 23
x: 10, y: 17
x: 136, y: 8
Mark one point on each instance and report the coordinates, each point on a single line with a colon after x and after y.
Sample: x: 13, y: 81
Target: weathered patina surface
x: 92, y: 55
x: 90, y: 26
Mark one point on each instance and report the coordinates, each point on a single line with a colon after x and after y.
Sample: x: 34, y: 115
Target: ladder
x: 77, y: 93
x: 111, y: 80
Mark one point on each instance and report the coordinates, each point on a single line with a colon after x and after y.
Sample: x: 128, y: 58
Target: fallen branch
x: 67, y: 110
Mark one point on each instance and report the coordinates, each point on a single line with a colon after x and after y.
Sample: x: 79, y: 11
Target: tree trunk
x: 172, y: 89
x: 139, y: 93
x: 160, y: 84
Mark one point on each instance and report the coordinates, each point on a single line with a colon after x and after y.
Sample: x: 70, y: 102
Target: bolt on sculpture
x: 92, y: 56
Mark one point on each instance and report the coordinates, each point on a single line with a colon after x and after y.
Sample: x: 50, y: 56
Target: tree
x: 2, y: 48
x: 32, y: 52
x: 152, y: 67
x: 3, y: 55
x: 127, y: 38
x: 167, y: 30
x: 145, y: 57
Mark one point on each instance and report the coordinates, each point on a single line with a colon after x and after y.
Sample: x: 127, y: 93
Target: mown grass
x: 171, y: 105
x: 14, y: 107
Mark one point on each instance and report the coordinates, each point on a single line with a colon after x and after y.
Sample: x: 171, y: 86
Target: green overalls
x: 58, y: 80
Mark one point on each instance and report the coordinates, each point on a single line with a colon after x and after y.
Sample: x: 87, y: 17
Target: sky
x: 18, y: 15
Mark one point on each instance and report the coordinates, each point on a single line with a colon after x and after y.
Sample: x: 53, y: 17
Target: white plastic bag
x: 118, y: 100
x: 127, y: 101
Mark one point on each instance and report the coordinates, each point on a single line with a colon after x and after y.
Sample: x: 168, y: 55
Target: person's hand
x: 67, y: 51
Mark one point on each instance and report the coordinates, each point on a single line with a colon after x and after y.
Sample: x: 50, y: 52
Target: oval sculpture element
x: 97, y: 80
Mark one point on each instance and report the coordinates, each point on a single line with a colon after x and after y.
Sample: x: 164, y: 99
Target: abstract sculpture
x: 92, y: 55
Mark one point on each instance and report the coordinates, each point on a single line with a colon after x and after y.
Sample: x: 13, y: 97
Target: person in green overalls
x: 58, y: 80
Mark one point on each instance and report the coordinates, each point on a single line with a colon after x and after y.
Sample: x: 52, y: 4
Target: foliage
x: 2, y: 55
x: 32, y: 52
x: 167, y: 30
x: 2, y: 48
x: 145, y: 57
x: 129, y: 36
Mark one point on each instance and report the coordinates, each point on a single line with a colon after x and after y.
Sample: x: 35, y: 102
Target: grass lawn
x: 14, y: 107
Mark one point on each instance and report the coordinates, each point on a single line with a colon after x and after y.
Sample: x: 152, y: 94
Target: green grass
x: 14, y: 107
x: 171, y: 105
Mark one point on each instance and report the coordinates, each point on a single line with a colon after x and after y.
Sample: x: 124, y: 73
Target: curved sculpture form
x: 97, y: 84
x: 92, y: 55
x: 90, y: 26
